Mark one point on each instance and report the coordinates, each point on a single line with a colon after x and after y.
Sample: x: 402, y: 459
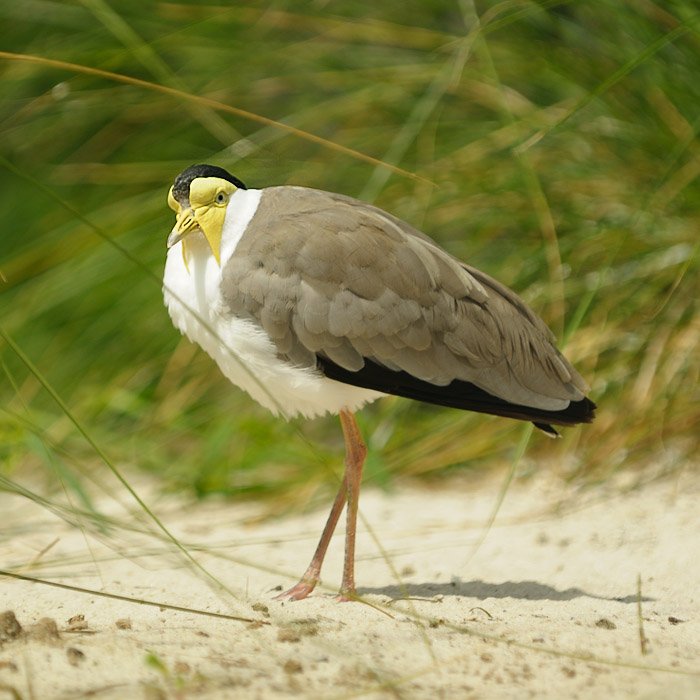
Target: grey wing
x: 328, y: 276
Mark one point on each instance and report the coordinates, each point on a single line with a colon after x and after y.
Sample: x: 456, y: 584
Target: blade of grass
x: 614, y: 78
x: 127, y: 599
x: 207, y: 102
x: 107, y: 461
x: 533, y: 184
x: 147, y: 56
x: 418, y: 117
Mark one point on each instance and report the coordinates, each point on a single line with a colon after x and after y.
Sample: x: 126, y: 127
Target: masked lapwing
x: 314, y: 303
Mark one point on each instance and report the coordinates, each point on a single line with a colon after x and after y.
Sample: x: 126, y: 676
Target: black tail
x: 457, y: 394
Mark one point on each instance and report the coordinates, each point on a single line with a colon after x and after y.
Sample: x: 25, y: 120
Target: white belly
x: 244, y: 353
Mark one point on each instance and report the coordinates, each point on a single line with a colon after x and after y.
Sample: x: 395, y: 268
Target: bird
x: 314, y: 302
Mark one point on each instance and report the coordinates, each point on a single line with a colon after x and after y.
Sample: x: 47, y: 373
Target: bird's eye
x: 220, y: 197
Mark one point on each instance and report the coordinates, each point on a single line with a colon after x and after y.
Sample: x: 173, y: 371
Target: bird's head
x: 199, y: 197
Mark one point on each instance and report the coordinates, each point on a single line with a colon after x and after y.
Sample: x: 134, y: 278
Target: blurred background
x: 552, y: 144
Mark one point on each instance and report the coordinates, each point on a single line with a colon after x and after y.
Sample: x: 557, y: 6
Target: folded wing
x: 341, y: 285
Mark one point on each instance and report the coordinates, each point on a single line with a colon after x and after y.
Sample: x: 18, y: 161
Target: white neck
x: 239, y: 212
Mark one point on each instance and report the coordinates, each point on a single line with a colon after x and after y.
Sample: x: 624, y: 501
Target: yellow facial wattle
x: 209, y: 198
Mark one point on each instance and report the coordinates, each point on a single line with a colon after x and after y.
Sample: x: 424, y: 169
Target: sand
x: 546, y: 603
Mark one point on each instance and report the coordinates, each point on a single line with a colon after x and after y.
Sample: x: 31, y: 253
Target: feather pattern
x: 335, y: 282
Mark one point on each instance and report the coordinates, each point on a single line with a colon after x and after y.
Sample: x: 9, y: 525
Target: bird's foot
x: 347, y: 595
x: 299, y: 591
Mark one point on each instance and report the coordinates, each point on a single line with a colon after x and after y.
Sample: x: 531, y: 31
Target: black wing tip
x: 582, y: 411
x: 458, y: 394
x: 546, y: 429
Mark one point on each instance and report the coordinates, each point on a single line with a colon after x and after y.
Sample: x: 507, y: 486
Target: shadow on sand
x: 523, y: 590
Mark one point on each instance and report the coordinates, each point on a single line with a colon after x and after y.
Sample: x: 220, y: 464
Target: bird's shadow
x: 521, y: 590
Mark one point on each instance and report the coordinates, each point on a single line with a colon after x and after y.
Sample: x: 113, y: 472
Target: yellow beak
x: 184, y: 224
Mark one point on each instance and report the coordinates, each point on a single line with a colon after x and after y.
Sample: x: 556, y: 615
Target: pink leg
x: 313, y: 573
x: 355, y: 452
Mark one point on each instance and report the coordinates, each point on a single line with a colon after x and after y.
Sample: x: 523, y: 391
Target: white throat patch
x: 241, y: 209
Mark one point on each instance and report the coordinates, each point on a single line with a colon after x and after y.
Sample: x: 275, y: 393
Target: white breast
x: 240, y: 347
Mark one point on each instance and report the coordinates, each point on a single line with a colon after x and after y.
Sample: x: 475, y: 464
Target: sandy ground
x: 546, y: 606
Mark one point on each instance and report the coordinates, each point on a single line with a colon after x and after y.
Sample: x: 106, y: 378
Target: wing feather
x: 330, y: 277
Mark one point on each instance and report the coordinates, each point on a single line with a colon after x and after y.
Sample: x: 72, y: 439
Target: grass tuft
x: 554, y: 145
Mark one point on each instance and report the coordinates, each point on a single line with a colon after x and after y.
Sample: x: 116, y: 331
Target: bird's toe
x: 299, y: 591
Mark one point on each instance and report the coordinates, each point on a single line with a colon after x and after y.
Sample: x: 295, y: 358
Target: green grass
x: 551, y: 144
